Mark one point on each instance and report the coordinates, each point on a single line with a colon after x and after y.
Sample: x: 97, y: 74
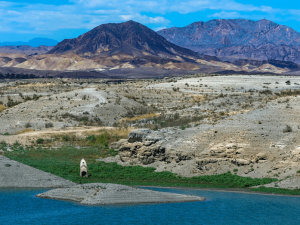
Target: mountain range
x: 234, y: 39
x: 217, y: 46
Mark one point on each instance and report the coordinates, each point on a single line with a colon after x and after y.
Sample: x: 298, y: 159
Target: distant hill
x: 238, y: 38
x: 36, y: 42
x: 25, y: 49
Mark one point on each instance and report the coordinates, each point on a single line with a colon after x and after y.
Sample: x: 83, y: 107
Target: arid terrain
x: 191, y: 125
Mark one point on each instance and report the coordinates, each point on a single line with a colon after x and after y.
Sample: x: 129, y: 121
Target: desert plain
x: 192, y: 125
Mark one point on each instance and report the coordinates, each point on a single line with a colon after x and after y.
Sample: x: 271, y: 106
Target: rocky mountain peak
x: 129, y: 37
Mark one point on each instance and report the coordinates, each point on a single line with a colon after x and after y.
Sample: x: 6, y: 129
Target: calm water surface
x: 20, y: 206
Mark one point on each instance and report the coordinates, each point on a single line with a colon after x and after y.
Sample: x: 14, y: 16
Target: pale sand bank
x: 103, y: 194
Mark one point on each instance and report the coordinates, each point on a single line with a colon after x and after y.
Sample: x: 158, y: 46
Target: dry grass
x: 197, y: 99
x: 111, y: 131
x: 238, y: 112
x: 2, y: 108
x: 27, y: 130
x: 145, y: 116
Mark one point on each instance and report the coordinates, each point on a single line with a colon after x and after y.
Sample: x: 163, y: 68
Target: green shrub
x: 65, y: 138
x: 48, y: 125
x: 27, y: 125
x: 287, y: 129
x: 40, y: 141
x: 102, y: 139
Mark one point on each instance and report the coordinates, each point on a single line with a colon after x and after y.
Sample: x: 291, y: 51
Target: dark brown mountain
x: 238, y: 38
x: 130, y: 38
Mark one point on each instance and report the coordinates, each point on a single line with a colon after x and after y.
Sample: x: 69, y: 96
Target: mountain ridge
x: 238, y: 38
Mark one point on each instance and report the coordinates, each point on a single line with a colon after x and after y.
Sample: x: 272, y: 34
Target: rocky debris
x: 103, y: 194
x: 15, y: 174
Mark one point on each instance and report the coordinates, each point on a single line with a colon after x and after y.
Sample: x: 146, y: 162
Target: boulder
x: 261, y: 156
x: 118, y: 145
x: 240, y: 162
x: 201, y: 164
x: 138, y: 135
x: 152, y: 138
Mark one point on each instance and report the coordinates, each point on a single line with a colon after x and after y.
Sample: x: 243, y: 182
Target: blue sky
x: 22, y: 20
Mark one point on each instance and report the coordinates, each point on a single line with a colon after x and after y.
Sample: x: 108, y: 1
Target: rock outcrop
x: 145, y: 147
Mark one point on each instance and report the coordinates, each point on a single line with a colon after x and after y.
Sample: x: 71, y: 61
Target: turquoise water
x: 20, y: 206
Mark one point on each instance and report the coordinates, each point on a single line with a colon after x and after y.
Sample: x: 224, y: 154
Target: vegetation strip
x: 63, y: 162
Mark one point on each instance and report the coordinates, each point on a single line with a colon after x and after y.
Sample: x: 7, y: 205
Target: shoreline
x: 233, y: 190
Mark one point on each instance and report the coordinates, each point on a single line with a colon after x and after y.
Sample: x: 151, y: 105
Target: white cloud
x: 159, y: 28
x: 87, y: 14
x: 227, y: 15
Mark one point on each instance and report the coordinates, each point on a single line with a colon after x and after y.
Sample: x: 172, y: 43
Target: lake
x: 20, y: 206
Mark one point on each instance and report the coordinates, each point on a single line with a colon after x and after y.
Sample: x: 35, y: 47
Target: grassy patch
x: 136, y: 118
x: 94, y: 138
x: 276, y: 190
x: 2, y: 108
x: 64, y: 162
x: 25, y: 131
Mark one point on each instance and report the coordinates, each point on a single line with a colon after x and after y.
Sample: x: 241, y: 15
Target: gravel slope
x: 15, y: 174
